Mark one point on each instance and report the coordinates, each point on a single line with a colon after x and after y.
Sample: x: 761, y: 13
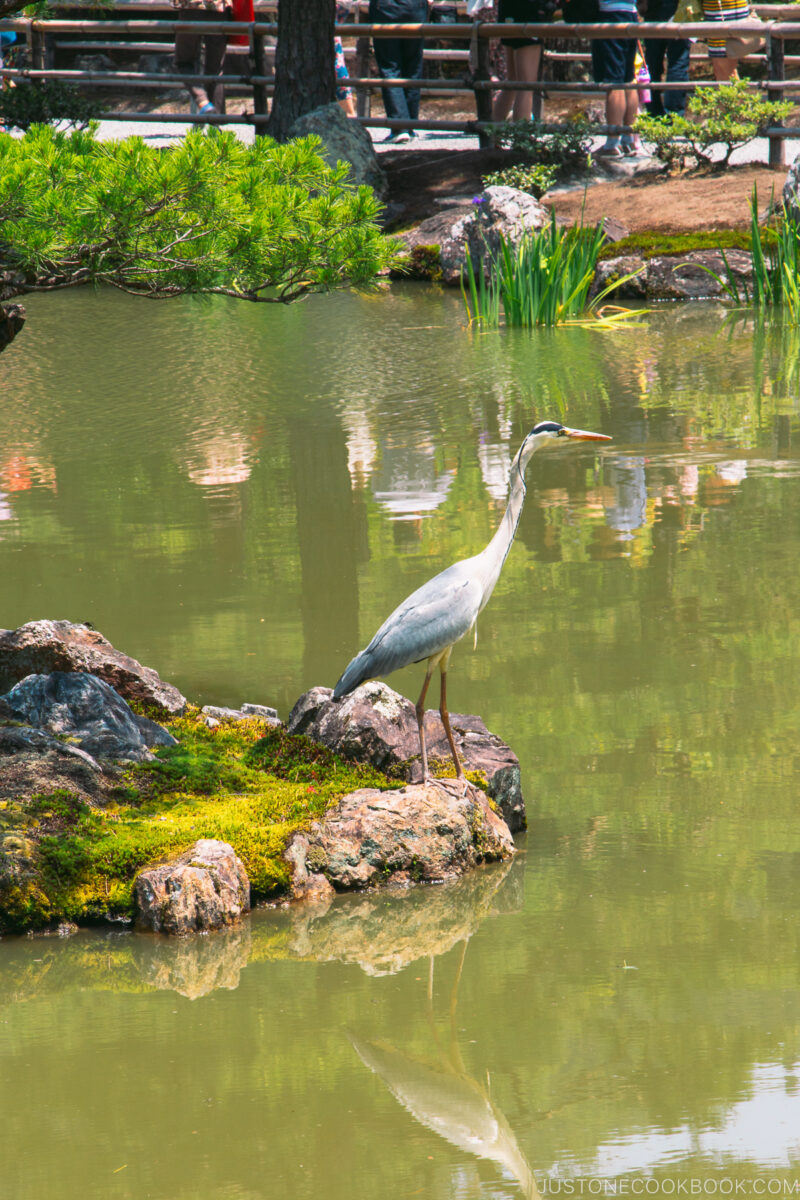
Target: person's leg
x: 215, y: 48
x: 412, y: 61
x: 527, y: 68
x: 615, y: 112
x: 388, y: 56
x: 630, y: 142
x: 724, y: 68
x: 504, y: 101
x: 677, y: 72
x: 187, y: 55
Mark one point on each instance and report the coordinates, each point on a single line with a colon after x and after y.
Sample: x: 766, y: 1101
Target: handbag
x: 739, y: 46
x: 641, y: 75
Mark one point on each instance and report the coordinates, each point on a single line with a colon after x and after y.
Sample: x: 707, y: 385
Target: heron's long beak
x: 583, y: 435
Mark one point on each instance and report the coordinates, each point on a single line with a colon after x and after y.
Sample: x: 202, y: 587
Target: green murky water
x: 238, y: 496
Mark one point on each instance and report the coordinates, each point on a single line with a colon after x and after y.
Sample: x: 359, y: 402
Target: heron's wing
x: 428, y: 621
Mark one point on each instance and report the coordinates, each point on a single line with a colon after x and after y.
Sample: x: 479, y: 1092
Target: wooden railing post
x: 776, y: 74
x: 37, y: 49
x: 260, y: 101
x: 481, y: 73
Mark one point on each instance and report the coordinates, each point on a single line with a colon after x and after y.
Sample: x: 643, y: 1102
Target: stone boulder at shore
x: 473, y: 228
x: 420, y: 833
x: 88, y: 710
x: 43, y: 646
x: 206, y: 888
x: 377, y: 725
x: 343, y: 140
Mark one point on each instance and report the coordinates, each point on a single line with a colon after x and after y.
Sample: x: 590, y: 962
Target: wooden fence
x: 45, y: 38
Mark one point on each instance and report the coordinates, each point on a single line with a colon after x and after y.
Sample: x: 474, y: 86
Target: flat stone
x: 377, y: 725
x: 217, y: 713
x: 205, y: 888
x: 673, y: 276
x: 40, y: 647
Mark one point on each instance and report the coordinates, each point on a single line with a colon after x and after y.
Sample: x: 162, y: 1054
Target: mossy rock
x: 250, y: 786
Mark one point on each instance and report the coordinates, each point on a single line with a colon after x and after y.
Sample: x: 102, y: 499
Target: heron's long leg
x: 420, y: 711
x: 443, y: 713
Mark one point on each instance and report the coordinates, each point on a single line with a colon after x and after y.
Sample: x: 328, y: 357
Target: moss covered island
x: 63, y: 858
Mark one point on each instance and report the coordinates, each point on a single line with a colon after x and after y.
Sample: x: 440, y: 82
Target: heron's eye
x: 561, y: 433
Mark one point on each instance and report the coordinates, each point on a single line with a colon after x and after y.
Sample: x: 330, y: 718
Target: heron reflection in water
x: 445, y: 1098
x: 432, y: 619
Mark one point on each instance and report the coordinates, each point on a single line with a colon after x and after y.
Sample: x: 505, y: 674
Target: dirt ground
x: 703, y: 201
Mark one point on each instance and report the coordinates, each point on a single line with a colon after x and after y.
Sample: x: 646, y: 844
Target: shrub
x: 729, y: 117
x: 536, y: 178
x: 40, y: 101
x: 262, y: 222
x: 565, y: 149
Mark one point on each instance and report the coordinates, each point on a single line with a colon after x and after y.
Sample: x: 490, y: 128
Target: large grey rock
x: 377, y: 725
x: 44, y: 646
x: 343, y: 140
x: 206, y: 888
x: 415, y: 834
x: 673, y: 276
x: 80, y: 706
x: 476, y: 229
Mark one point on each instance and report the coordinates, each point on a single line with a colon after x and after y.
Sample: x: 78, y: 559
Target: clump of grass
x: 776, y: 268
x: 545, y: 280
x: 235, y: 783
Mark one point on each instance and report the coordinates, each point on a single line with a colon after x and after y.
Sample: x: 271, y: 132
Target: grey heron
x: 432, y: 619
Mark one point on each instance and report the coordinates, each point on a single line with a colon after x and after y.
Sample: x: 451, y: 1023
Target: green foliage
x: 40, y: 101
x: 544, y: 281
x: 211, y: 215
x: 566, y: 149
x: 729, y: 116
x: 536, y: 178
x: 776, y: 268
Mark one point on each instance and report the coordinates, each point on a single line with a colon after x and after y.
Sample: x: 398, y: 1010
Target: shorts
x: 612, y: 58
x: 723, y: 10
x: 340, y: 68
x: 520, y: 11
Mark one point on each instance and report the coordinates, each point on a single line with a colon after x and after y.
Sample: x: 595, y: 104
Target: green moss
x: 234, y: 783
x: 422, y: 262
x: 651, y: 244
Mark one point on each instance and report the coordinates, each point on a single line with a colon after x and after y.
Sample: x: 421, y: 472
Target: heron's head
x: 552, y: 431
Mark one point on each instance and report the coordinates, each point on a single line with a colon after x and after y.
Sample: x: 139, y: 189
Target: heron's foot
x: 459, y: 786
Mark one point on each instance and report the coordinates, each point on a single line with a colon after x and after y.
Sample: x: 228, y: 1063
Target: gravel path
x: 163, y: 134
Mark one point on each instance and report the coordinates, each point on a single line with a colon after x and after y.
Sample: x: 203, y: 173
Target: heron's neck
x: 496, y: 552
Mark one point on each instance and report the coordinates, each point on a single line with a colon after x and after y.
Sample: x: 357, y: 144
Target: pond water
x: 238, y: 495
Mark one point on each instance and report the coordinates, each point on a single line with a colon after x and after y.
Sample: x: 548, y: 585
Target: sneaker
x: 632, y: 150
x: 608, y: 152
x: 401, y: 135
